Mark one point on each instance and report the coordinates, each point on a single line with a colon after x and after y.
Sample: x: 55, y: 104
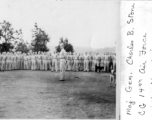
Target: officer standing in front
x: 62, y: 57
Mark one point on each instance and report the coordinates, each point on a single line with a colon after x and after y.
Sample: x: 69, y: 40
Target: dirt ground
x: 39, y: 94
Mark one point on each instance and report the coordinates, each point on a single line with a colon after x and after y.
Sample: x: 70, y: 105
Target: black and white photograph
x: 58, y: 59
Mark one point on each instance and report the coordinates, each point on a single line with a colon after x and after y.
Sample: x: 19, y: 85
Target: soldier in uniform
x: 79, y: 62
x: 22, y: 61
x: 93, y: 62
x: 18, y: 61
x: 86, y: 62
x: 33, y: 61
x: 8, y: 59
x: 102, y: 63
x: 68, y: 61
x: 49, y: 61
x: 75, y: 62
x: 105, y: 62
x: 28, y: 61
x: 113, y: 78
x: 0, y: 60
x: 114, y: 62
x: 90, y: 61
x: 38, y: 60
x: 13, y: 61
x: 71, y: 61
x: 96, y: 61
x: 58, y: 61
x: 54, y: 62
x: 3, y: 61
x: 45, y: 59
x: 25, y: 61
x: 110, y: 62
x: 62, y: 57
x: 41, y: 60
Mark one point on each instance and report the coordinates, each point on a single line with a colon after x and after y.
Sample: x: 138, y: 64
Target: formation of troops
x: 51, y: 61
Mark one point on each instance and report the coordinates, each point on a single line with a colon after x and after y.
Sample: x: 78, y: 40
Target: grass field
x: 39, y: 94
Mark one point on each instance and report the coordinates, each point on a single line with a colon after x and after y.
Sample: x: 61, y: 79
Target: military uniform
x: 62, y: 57
x: 105, y: 62
x: 75, y: 67
x: 68, y: 62
x: 102, y: 63
x: 114, y: 62
x: 3, y: 62
x: 58, y: 62
x: 90, y: 62
x: 79, y: 62
x: 110, y: 64
x: 86, y: 62
x: 72, y: 61
x: 33, y: 61
x: 49, y: 62
x: 25, y: 62
x: 0, y: 61
x: 54, y: 62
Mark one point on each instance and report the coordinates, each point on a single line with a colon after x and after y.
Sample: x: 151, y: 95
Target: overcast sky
x: 92, y: 24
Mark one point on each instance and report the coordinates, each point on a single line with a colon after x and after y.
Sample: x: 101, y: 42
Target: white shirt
x: 86, y: 57
x: 96, y: 57
x: 62, y: 54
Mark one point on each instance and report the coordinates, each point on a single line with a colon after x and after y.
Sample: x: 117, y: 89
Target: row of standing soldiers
x: 50, y: 61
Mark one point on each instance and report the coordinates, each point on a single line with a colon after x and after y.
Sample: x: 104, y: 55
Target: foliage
x: 6, y: 36
x: 22, y: 47
x: 40, y: 39
x: 67, y: 46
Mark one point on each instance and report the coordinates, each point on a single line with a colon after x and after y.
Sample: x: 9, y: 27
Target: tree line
x: 13, y: 40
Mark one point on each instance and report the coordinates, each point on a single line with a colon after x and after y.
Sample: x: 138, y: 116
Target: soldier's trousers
x: 8, y: 64
x: 22, y: 64
x: 33, y: 66
x: 25, y: 65
x: 75, y: 68
x: 38, y: 64
x: 72, y: 64
x: 41, y: 65
x: 0, y: 65
x: 86, y: 65
x: 49, y: 64
x: 105, y: 66
x: 62, y: 69
x: 44, y: 64
x: 114, y: 65
x: 108, y: 69
x: 97, y: 62
x: 29, y: 64
x: 68, y: 65
x: 54, y: 65
x: 18, y: 64
x: 14, y: 64
x: 3, y: 65
x: 79, y: 65
x: 90, y: 65
x: 58, y: 64
x: 93, y: 65
x: 82, y: 65
x: 110, y: 66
